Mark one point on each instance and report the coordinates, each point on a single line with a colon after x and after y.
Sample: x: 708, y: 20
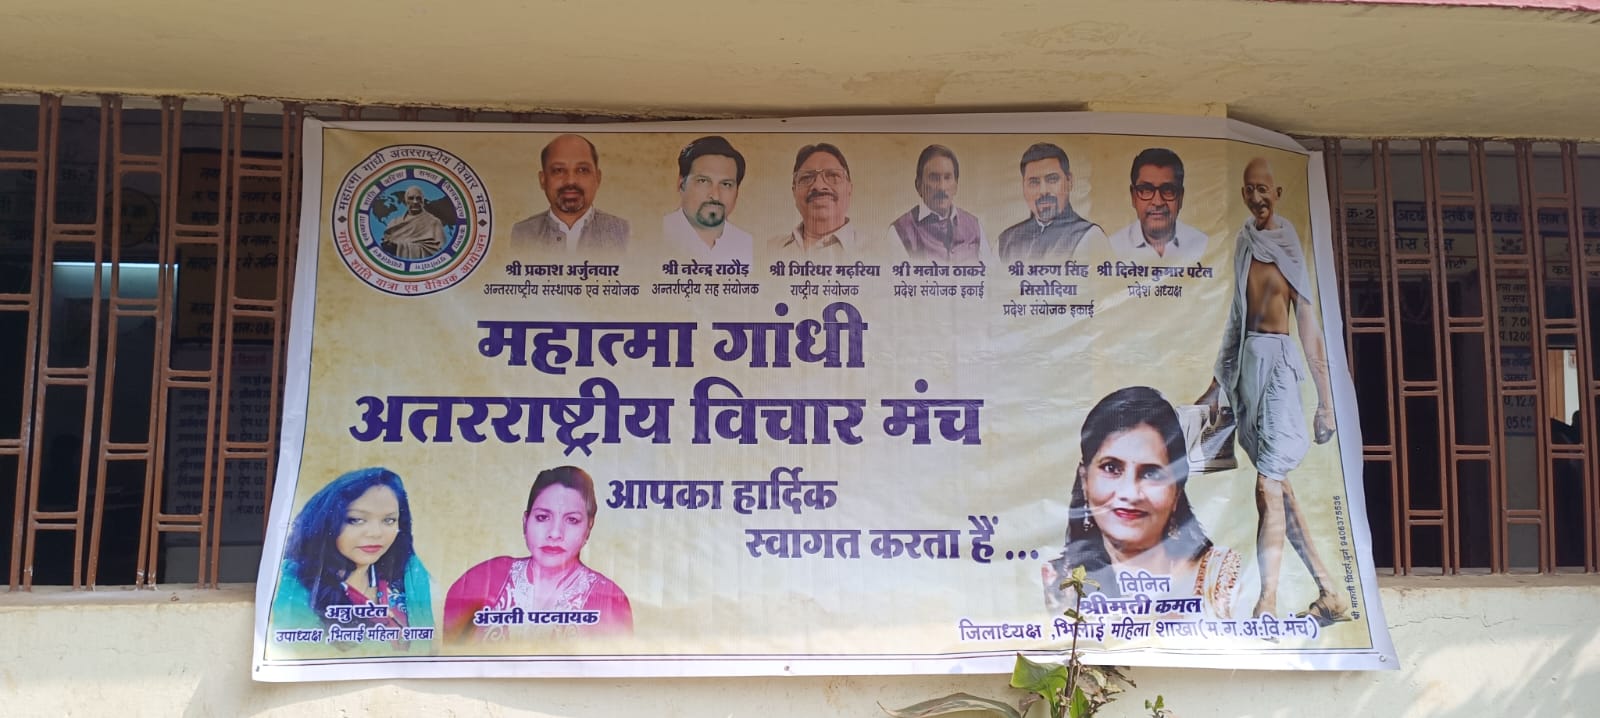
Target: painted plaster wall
x: 1497, y: 646
x: 1306, y: 68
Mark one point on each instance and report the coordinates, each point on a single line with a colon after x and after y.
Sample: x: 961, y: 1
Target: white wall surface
x: 1469, y: 647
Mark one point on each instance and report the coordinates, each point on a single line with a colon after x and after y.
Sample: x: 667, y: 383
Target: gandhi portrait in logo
x: 417, y: 233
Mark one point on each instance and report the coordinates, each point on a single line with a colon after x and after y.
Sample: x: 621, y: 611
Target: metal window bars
x: 145, y: 275
x: 1467, y: 270
x: 146, y: 267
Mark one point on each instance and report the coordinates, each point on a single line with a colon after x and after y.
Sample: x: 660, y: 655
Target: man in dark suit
x: 1054, y: 231
x: 570, y: 176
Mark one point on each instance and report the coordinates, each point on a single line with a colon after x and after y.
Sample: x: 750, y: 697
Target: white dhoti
x: 1260, y: 372
x: 1272, y: 424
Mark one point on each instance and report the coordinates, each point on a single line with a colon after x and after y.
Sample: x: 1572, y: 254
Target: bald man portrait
x: 417, y: 234
x: 1258, y: 368
x: 569, y: 174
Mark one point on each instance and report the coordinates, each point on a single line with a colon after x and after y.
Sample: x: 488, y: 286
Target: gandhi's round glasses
x: 810, y: 177
x: 1169, y: 192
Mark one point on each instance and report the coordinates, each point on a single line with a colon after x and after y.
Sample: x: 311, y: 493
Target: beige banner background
x: 694, y: 588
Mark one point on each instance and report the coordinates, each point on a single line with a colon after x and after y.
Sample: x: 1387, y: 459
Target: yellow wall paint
x: 1306, y: 68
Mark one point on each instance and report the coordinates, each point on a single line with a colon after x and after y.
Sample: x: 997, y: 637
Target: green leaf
x: 1073, y: 614
x: 954, y: 703
x: 1074, y: 580
x: 1046, y: 679
x: 1080, y: 704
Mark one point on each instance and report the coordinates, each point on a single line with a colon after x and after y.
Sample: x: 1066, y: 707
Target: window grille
x: 146, y: 262
x: 1468, y: 272
x: 146, y: 253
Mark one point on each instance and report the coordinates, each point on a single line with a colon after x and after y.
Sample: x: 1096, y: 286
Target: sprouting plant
x: 1067, y: 690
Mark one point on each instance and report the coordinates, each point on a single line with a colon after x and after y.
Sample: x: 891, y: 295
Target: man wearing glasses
x: 1054, y: 230
x: 1157, y: 192
x: 1258, y: 369
x: 821, y: 186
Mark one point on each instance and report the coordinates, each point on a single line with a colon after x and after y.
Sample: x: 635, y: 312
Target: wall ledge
x: 245, y: 593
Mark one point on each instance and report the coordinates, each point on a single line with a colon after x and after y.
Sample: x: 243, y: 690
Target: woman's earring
x: 1172, y: 531
x: 1086, y: 523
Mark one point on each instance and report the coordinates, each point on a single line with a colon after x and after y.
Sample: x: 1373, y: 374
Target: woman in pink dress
x: 548, y: 593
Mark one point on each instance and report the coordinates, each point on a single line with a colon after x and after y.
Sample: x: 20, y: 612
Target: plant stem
x: 1072, y: 653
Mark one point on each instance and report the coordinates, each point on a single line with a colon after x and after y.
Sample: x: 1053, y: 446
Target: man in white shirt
x: 710, y: 172
x: 1156, y: 188
x: 570, y: 177
x: 821, y: 187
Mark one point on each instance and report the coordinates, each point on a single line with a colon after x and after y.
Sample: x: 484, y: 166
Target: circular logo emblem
x: 411, y: 219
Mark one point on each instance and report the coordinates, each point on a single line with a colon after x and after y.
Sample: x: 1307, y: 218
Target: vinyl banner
x: 817, y: 396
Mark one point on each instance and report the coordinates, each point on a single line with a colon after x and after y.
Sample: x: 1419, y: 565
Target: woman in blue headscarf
x: 351, y: 546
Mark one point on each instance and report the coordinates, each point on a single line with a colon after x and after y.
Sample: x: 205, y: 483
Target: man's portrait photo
x: 417, y: 233
x: 569, y: 174
x: 1156, y: 188
x: 821, y: 186
x: 1053, y: 230
x: 710, y: 172
x: 936, y: 229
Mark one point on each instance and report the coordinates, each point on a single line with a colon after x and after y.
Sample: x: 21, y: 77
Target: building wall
x: 1311, y: 68
x: 1502, y: 646
x: 1492, y: 646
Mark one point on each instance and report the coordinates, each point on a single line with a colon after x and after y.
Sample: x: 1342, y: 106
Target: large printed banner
x: 829, y: 396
